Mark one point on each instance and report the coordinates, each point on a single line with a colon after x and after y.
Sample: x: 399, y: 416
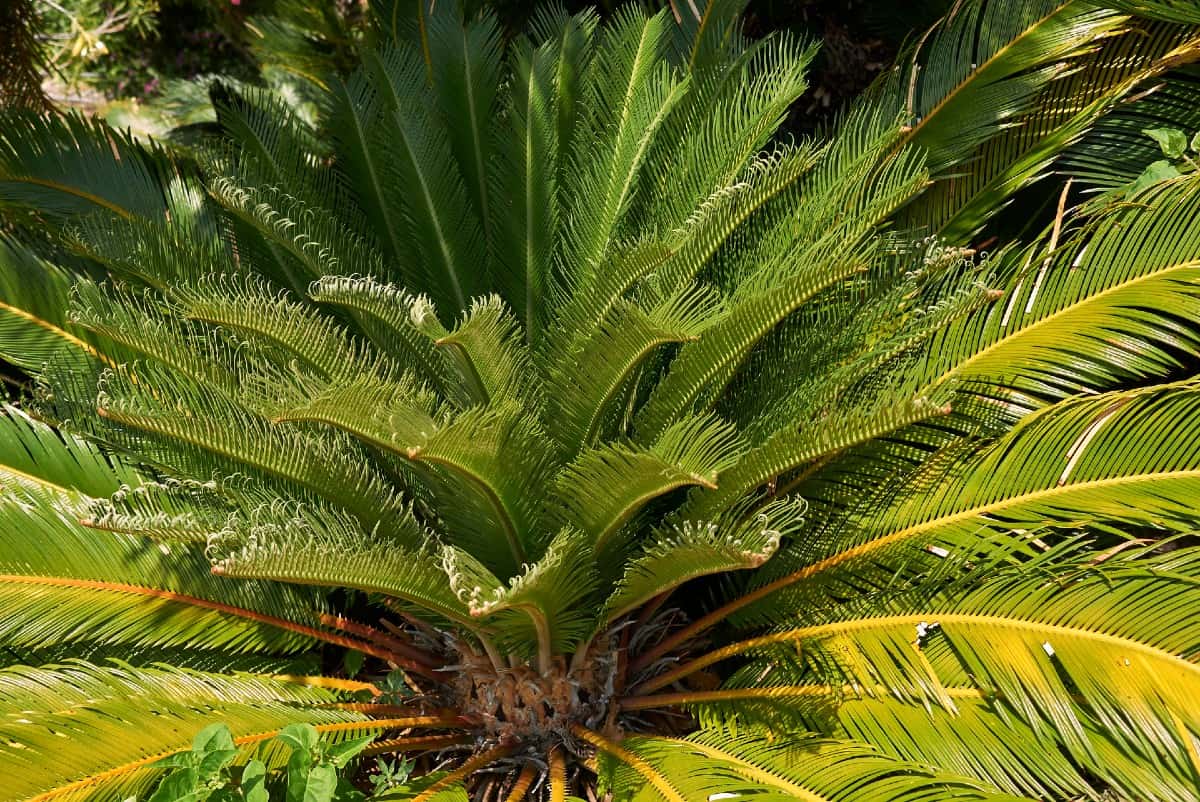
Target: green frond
x: 171, y: 510
x: 1115, y: 639
x: 709, y: 32
x: 587, y: 389
x: 304, y: 242
x: 500, y: 456
x: 488, y: 348
x: 703, y: 369
x: 33, y: 453
x: 539, y: 606
x: 1115, y: 151
x: 984, y: 65
x: 385, y: 313
x: 837, y: 353
x: 466, y: 59
x: 218, y: 661
x: 309, y: 545
x: 395, y: 414
x: 1097, y: 85
x: 495, y: 455
x: 267, y: 143
x: 828, y: 247
x: 353, y: 129
x: 606, y: 486
x: 34, y: 324
x: 142, y: 323
x: 572, y: 41
x: 768, y: 183
x: 252, y: 308
x: 662, y: 268
x: 1108, y: 306
x: 87, y: 732
x: 722, y: 125
x: 630, y: 92
x: 1104, y: 462
x: 147, y: 250
x: 438, y: 223
x: 804, y: 443
x: 982, y: 741
x: 1180, y: 11
x: 141, y: 408
x: 64, y: 584
x: 787, y: 768
x: 680, y: 552
x: 525, y: 182
x: 68, y: 165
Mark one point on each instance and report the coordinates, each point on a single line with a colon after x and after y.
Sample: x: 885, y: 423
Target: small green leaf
x: 1160, y: 170
x: 213, y: 738
x: 347, y: 792
x: 353, y: 662
x: 179, y: 760
x: 341, y: 754
x: 177, y: 786
x: 254, y: 782
x: 300, y: 737
x: 1196, y: 142
x: 394, y: 682
x: 212, y: 763
x: 298, y: 767
x: 321, y: 783
x: 1172, y: 141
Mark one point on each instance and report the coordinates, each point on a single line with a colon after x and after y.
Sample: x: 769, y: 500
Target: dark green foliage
x: 546, y: 388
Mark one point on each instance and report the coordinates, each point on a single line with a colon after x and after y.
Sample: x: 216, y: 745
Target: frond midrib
x: 932, y: 616
x: 1036, y: 325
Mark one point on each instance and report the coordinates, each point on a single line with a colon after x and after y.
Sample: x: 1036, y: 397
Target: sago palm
x: 538, y: 407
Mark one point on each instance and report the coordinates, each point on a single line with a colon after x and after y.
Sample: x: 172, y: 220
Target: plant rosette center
x: 521, y: 705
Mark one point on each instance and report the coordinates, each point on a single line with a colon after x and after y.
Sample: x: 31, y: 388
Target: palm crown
x: 547, y: 374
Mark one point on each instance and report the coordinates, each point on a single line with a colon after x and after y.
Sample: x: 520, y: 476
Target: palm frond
x: 34, y: 324
x: 526, y: 220
x: 537, y: 608
x: 605, y: 487
x: 302, y: 242
x: 310, y: 545
x: 681, y: 552
x: 792, y: 767
x: 139, y: 407
x: 487, y: 348
x: 586, y: 392
x: 983, y: 66
x: 630, y: 93
x: 1066, y: 111
x: 817, y: 259
x: 1043, y: 641
x: 1105, y: 463
x: 439, y: 224
x: 385, y: 312
x: 82, y: 732
x: 35, y: 453
x: 65, y: 584
x: 1116, y: 151
x: 466, y: 58
x: 68, y: 165
x: 1054, y: 333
